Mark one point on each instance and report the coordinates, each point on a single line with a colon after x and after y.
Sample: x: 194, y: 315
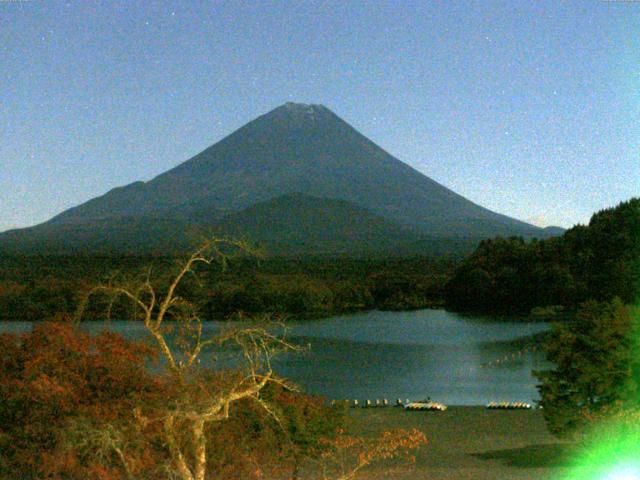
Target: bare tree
x: 204, y: 395
x: 201, y: 391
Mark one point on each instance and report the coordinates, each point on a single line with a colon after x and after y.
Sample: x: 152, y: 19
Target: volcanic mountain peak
x: 297, y: 148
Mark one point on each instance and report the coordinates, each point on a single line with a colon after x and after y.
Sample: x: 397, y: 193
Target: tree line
x: 36, y: 287
x: 598, y: 261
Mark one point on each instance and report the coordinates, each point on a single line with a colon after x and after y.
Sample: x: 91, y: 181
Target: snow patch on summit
x: 309, y: 110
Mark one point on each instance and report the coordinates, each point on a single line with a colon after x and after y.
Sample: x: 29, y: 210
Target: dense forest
x: 37, y: 287
x: 599, y: 261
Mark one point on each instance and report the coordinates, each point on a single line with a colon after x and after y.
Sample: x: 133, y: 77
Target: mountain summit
x: 293, y: 148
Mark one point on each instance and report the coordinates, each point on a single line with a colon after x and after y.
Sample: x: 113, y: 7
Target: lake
x: 454, y: 359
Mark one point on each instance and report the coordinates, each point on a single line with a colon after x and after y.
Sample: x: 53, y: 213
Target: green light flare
x: 608, y: 457
x: 623, y: 472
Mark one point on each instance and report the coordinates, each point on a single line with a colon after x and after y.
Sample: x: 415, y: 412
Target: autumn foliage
x: 56, y: 380
x: 345, y: 455
x: 74, y: 405
x: 77, y: 406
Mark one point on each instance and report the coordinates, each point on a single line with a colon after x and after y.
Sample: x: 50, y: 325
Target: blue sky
x: 531, y: 109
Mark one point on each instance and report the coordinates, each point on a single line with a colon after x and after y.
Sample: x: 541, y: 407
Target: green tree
x: 597, y: 366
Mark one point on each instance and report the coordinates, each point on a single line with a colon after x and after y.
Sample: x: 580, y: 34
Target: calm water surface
x: 454, y: 359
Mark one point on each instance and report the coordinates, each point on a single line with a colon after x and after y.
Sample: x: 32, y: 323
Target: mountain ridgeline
x: 298, y: 180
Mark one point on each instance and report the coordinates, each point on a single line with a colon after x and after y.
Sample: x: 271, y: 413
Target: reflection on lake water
x: 392, y: 355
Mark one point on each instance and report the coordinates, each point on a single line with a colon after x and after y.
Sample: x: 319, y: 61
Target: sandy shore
x: 471, y: 443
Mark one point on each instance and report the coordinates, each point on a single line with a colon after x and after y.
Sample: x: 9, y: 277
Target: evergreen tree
x: 597, y: 366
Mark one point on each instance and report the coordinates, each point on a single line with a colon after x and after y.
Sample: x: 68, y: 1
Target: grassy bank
x: 471, y: 443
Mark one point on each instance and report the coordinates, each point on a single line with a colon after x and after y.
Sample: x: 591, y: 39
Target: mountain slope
x: 292, y: 224
x: 302, y: 224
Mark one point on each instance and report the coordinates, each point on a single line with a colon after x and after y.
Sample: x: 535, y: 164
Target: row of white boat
x: 509, y: 406
x: 406, y: 404
x: 429, y: 405
x: 439, y: 407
